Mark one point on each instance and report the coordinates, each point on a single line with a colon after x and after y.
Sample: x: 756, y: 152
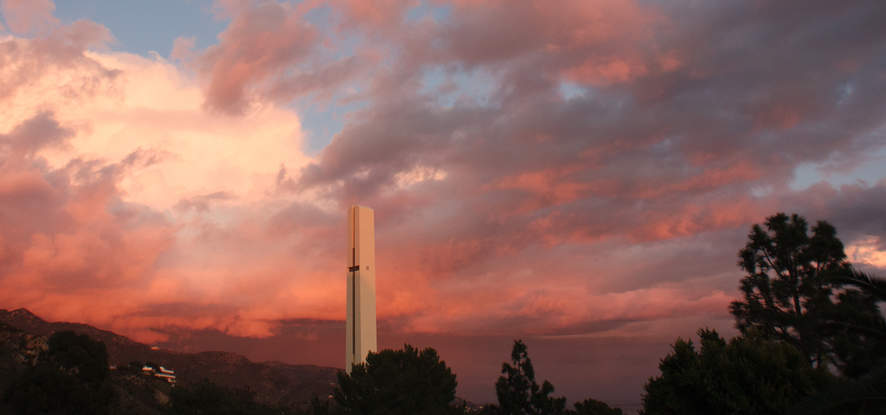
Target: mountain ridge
x: 273, y: 383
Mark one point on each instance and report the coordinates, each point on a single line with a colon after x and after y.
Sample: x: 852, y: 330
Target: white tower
x: 360, y: 325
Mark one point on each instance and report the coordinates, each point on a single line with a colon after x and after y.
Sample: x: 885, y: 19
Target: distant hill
x: 278, y: 384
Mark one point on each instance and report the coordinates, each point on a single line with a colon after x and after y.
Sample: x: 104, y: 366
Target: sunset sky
x: 579, y: 174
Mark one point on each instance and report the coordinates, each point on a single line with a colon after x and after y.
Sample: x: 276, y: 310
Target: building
x: 162, y: 373
x: 360, y: 327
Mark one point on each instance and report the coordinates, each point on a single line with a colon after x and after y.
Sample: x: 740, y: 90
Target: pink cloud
x: 65, y: 47
x: 614, y: 71
x: 183, y: 49
x: 262, y: 39
x: 29, y: 16
x: 87, y: 234
x: 269, y: 51
x: 581, y: 172
x: 379, y: 15
x: 180, y: 203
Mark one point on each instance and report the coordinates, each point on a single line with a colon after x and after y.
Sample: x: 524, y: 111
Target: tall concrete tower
x: 360, y: 325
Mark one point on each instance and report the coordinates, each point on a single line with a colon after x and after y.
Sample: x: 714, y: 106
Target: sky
x: 579, y: 174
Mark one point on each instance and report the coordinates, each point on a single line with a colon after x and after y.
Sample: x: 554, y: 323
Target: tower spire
x: 360, y: 327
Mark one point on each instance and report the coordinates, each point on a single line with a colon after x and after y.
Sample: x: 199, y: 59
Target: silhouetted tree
x: 872, y: 285
x: 79, y: 354
x: 517, y: 391
x: 796, y: 291
x: 863, y: 396
x: 207, y: 398
x: 319, y: 407
x: 69, y: 378
x: 748, y: 375
x: 594, y: 407
x: 858, y: 327
x: 394, y: 382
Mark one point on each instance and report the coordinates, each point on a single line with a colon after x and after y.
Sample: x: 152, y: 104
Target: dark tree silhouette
x: 69, y: 378
x: 871, y: 285
x: 207, y: 398
x: 863, y: 396
x: 747, y: 375
x: 594, y: 407
x: 78, y: 353
x: 517, y: 391
x: 796, y: 290
x: 395, y: 382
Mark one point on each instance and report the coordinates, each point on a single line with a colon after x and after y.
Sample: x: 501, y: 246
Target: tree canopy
x: 747, y: 375
x: 519, y: 394
x: 407, y: 381
x: 517, y: 391
x: 69, y: 378
x: 797, y: 289
x: 594, y: 407
x: 805, y: 311
x: 207, y: 398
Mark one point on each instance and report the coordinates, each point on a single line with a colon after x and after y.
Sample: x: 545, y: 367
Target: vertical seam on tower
x: 354, y: 291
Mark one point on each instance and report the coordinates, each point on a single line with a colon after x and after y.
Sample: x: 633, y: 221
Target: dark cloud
x: 202, y: 203
x: 855, y: 210
x: 688, y: 137
x: 269, y: 51
x: 36, y: 133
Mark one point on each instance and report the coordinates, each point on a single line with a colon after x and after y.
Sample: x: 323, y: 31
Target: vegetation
x: 595, y: 407
x: 747, y: 375
x: 69, y: 378
x: 207, y: 398
x: 800, y: 289
x: 851, y: 396
x: 517, y: 391
x: 812, y: 335
x: 406, y: 381
x: 519, y: 394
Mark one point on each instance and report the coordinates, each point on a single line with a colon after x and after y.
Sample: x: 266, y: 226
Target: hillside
x: 23, y: 334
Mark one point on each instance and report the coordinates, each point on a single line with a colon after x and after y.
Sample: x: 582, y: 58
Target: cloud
x: 268, y: 51
x: 201, y: 203
x: 150, y: 105
x: 375, y: 15
x: 27, y: 61
x: 67, y: 234
x: 181, y: 192
x: 34, y: 134
x: 238, y: 61
x: 668, y: 142
x: 868, y: 252
x: 183, y: 49
x: 29, y: 16
x: 110, y: 167
x: 581, y: 174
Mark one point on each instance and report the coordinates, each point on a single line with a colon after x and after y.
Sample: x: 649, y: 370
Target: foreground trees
x: 519, y: 394
x: 408, y: 381
x: 594, y: 407
x: 747, y: 375
x: 207, y: 398
x: 806, y: 316
x: 799, y: 289
x: 69, y: 378
x: 517, y: 391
